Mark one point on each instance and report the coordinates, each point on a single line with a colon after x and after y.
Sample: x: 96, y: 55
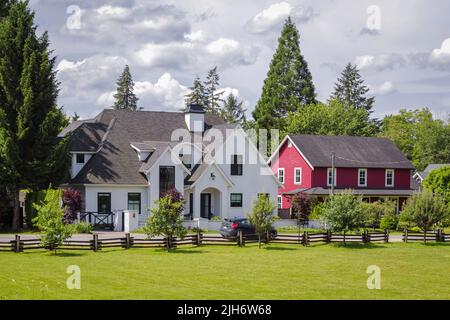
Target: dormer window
x: 80, y: 158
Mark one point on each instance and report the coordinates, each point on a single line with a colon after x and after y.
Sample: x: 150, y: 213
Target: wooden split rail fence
x: 199, y: 239
x: 414, y: 236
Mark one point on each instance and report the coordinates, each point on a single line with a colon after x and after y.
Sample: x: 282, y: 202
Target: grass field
x: 408, y: 271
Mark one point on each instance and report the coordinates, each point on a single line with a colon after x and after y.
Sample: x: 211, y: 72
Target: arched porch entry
x: 210, y: 203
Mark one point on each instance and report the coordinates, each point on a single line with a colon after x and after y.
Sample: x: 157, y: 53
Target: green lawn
x: 408, y: 271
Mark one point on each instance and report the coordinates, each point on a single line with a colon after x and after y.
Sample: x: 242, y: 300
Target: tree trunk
x: 16, y: 210
x: 259, y: 240
x: 425, y: 236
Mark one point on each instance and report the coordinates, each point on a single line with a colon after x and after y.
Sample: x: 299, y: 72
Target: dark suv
x: 231, y: 227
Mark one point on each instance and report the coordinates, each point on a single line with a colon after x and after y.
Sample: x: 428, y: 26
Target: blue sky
x: 401, y: 47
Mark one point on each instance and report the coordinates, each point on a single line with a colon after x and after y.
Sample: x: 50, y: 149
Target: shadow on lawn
x: 280, y: 248
x: 358, y: 245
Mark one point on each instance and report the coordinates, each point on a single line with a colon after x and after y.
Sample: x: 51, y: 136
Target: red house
x: 372, y: 167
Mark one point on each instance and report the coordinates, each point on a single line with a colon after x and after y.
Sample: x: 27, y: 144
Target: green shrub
x: 316, y: 211
x: 425, y: 211
x: 50, y: 220
x: 82, y: 227
x: 389, y: 221
x: 216, y: 218
x: 343, y: 212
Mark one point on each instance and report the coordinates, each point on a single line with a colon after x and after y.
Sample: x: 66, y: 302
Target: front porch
x: 207, y: 204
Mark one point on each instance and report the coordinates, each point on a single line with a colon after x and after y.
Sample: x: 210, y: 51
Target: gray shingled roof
x: 351, y: 152
x: 430, y: 168
x: 117, y: 162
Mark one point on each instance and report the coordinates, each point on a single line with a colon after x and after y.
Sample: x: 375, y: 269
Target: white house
x: 122, y: 161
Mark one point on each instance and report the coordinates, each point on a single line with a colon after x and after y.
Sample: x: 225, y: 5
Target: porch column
x: 224, y: 203
x: 196, y: 204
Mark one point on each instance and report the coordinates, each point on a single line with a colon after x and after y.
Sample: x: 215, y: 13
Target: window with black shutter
x: 236, y: 165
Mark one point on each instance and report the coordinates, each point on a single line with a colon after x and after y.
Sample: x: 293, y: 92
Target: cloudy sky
x: 402, y: 48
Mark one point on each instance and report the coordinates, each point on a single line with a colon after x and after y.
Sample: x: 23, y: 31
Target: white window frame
x: 300, y: 176
x: 359, y: 177
x: 284, y: 177
x: 280, y: 202
x: 386, y: 178
x: 328, y: 176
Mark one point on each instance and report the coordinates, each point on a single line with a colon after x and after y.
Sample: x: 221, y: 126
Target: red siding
x: 289, y: 159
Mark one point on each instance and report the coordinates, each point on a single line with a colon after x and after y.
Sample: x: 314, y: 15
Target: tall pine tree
x: 4, y: 7
x: 197, y: 94
x: 350, y: 89
x: 213, y: 97
x: 288, y: 85
x: 32, y: 154
x: 232, y: 110
x: 125, y: 99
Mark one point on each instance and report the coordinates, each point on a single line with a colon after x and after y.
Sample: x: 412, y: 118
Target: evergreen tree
x: 198, y: 93
x: 125, y: 97
x: 212, y: 96
x: 233, y: 111
x: 350, y: 89
x: 4, y: 7
x: 288, y: 85
x: 32, y: 154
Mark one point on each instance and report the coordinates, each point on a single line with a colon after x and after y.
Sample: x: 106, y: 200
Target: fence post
x: 386, y: 235
x: 127, y: 240
x: 199, y: 238
x: 439, y: 237
x: 305, y: 238
x: 365, y: 236
x: 241, y: 240
x: 95, y: 242
x: 17, y: 248
x: 405, y: 235
x: 328, y: 236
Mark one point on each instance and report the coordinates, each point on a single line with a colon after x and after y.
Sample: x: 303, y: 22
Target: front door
x: 205, y: 205
x: 104, y: 203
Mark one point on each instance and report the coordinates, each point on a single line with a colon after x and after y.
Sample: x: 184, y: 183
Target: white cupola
x: 195, y: 118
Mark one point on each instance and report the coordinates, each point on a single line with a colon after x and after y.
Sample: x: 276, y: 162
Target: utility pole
x: 333, y: 170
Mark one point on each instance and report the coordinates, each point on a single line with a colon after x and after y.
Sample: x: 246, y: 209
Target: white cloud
x: 442, y: 54
x: 166, y: 94
x: 113, y: 12
x: 107, y: 24
x: 195, y: 56
x: 68, y: 65
x: 196, y: 36
x: 222, y: 46
x: 275, y: 14
x: 381, y: 62
x: 385, y: 88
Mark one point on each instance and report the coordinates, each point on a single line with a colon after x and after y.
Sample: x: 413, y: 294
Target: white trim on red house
x: 300, y: 176
x: 284, y: 175
x: 328, y: 177
x: 281, y: 145
x: 359, y: 177
x: 386, y: 178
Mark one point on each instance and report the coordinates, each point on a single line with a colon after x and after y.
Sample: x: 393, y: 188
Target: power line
x: 373, y: 162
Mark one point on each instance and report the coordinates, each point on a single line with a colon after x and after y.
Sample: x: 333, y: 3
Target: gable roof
x: 423, y: 174
x: 112, y: 132
x: 351, y: 152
